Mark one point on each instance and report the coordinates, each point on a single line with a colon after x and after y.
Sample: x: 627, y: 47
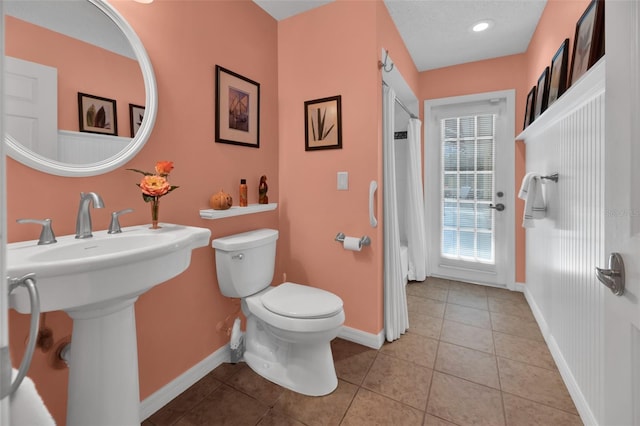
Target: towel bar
x: 553, y: 177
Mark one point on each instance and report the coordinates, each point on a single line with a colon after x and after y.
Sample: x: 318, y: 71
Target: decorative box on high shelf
x: 237, y: 211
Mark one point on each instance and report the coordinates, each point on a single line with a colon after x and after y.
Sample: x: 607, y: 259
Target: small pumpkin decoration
x: 220, y: 201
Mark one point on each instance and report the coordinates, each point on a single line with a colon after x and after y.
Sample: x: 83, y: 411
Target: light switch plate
x: 343, y: 181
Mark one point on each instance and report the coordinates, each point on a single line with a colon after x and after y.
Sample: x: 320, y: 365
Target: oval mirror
x: 80, y: 92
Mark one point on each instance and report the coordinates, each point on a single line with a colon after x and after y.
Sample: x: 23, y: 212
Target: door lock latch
x: 613, y: 276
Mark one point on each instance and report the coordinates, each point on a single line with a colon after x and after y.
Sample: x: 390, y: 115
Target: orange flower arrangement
x: 154, y: 186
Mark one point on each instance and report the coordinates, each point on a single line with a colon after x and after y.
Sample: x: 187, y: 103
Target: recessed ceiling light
x: 482, y: 26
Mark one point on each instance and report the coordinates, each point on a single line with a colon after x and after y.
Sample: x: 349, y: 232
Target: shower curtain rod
x: 399, y: 102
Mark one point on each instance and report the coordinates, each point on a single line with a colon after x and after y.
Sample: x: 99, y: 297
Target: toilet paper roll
x: 352, y: 243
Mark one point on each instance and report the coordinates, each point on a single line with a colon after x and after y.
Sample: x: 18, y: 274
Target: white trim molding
x: 586, y: 414
x: 165, y: 394
x: 374, y: 341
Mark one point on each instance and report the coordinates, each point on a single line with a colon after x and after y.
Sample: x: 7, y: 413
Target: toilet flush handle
x: 238, y: 256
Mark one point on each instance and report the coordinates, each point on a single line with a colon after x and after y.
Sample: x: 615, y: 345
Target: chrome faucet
x: 83, y: 221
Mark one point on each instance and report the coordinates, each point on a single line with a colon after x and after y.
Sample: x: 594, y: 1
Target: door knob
x: 613, y: 276
x: 499, y: 207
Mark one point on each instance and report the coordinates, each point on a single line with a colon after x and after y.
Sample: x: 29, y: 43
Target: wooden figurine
x: 262, y: 191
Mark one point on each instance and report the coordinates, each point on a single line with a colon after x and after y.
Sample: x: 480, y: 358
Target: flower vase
x: 155, y: 206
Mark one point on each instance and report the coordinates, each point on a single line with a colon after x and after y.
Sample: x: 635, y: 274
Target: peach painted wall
x: 518, y: 72
x: 557, y: 23
x: 325, y: 52
x: 486, y: 76
x: 316, y: 63
x: 177, y: 320
x: 81, y: 67
x: 389, y: 38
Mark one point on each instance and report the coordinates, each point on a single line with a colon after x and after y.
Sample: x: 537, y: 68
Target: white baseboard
x: 517, y: 287
x: 374, y: 341
x: 578, y: 397
x: 164, y: 395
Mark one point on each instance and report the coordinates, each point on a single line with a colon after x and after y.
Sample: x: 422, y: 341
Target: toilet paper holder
x: 365, y: 241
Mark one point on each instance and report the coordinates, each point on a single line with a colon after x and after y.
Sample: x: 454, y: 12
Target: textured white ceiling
x: 438, y: 33
x: 282, y: 9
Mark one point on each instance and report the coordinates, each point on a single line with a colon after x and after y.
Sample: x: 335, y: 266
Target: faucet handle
x: 46, y: 235
x: 114, y: 226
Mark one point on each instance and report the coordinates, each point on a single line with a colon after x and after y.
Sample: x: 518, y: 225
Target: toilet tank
x: 245, y: 262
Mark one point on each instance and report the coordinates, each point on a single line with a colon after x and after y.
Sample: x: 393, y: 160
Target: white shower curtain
x: 396, y: 316
x: 415, y: 210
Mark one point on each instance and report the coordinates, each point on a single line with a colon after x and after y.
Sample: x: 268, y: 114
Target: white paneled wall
x: 564, y: 248
x: 88, y: 148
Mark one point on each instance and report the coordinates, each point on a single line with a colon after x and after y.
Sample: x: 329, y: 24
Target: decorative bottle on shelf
x: 243, y: 193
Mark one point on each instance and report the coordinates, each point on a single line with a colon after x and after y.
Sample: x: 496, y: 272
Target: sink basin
x: 79, y: 273
x: 97, y: 281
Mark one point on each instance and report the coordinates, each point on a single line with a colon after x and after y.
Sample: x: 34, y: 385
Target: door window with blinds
x: 468, y: 146
x: 470, y: 187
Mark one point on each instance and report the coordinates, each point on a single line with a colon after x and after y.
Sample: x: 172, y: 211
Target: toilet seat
x: 301, y: 301
x: 255, y: 306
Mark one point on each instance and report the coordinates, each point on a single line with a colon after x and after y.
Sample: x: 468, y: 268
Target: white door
x: 31, y: 96
x: 469, y: 187
x: 622, y: 212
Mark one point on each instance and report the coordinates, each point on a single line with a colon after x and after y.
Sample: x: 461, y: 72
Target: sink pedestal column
x: 103, y: 366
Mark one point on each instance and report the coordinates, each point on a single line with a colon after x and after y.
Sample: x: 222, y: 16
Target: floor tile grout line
x: 495, y: 358
x: 469, y: 380
x: 426, y: 406
x: 355, y: 395
x: 466, y: 323
x: 554, y: 370
x: 494, y: 333
x: 542, y: 403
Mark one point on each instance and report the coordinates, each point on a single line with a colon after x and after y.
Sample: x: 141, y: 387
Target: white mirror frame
x: 27, y: 157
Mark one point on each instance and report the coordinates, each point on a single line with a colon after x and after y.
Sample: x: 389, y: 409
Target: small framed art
x: 97, y: 114
x: 136, y: 114
x: 528, y: 112
x: 323, y: 123
x: 558, y: 73
x: 588, y: 41
x: 237, y: 109
x: 542, y: 93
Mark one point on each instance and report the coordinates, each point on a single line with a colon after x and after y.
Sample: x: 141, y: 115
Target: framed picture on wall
x: 136, y: 114
x: 558, y: 73
x: 588, y: 41
x: 97, y: 114
x: 323, y: 123
x: 542, y: 93
x: 237, y: 109
x: 528, y: 111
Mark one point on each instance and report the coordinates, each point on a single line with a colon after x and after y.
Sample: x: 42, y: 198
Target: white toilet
x: 289, y: 326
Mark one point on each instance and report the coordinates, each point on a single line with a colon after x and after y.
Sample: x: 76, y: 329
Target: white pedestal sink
x: 97, y: 281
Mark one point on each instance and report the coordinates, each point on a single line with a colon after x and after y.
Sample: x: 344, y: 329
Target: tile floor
x: 472, y: 355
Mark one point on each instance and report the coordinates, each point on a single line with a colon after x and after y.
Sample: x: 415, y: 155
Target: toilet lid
x: 301, y: 301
